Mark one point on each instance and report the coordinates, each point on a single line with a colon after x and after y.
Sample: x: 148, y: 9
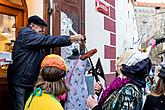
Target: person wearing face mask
x: 127, y: 90
x: 30, y: 47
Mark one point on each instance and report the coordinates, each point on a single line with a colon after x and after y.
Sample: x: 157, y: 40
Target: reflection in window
x: 7, y: 38
x: 19, y: 2
x: 7, y: 32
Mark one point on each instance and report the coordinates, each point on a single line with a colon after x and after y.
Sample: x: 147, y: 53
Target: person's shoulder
x: 155, y: 100
x: 49, y: 101
x: 131, y: 89
x: 127, y: 97
x: 52, y: 102
x: 150, y: 96
x: 131, y: 86
x: 155, y: 96
x: 24, y: 30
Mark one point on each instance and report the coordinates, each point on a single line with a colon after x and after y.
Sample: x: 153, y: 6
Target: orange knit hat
x: 54, y: 60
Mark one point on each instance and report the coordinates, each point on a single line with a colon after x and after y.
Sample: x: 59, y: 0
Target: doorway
x: 68, y: 19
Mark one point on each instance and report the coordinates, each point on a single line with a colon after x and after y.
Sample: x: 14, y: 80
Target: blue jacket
x: 28, y: 52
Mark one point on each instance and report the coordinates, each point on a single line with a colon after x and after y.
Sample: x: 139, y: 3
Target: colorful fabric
x: 115, y: 85
x: 42, y: 101
x: 129, y: 97
x: 76, y: 97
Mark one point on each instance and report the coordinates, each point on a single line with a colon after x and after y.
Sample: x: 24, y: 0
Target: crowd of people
x: 38, y: 78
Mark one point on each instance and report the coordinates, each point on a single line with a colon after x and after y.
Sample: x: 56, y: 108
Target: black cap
x: 36, y: 20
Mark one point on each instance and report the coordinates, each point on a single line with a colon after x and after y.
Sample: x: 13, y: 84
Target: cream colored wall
x: 126, y: 27
x: 35, y: 7
x: 97, y: 37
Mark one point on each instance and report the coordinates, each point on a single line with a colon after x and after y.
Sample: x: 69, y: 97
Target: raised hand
x: 77, y: 38
x: 152, y: 42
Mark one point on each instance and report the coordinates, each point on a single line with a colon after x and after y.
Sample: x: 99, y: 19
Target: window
x: 13, y: 16
x: 7, y: 32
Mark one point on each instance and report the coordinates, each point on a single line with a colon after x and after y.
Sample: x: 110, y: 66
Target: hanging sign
x: 102, y: 7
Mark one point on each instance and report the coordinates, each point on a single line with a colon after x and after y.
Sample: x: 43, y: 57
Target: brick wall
x: 110, y: 50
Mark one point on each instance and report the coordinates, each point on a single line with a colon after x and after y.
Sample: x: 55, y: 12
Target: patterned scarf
x: 115, y: 85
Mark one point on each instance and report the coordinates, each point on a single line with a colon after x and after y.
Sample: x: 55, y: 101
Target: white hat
x: 132, y: 56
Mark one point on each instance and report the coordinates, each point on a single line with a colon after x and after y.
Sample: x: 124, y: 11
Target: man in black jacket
x: 28, y: 52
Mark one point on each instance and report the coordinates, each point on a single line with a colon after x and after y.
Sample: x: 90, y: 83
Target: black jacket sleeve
x: 32, y: 39
x: 46, y: 41
x: 160, y: 40
x: 97, y: 107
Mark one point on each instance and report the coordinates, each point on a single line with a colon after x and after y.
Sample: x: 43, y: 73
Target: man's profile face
x: 38, y: 28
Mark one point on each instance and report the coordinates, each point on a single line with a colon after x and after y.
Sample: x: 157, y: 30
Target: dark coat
x: 28, y: 52
x: 154, y: 102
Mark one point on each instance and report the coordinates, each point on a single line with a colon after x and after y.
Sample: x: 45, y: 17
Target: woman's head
x: 128, y: 57
x: 135, y: 65
x: 53, y: 70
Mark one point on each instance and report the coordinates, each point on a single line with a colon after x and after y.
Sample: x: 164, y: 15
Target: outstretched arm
x: 160, y: 40
x: 38, y: 40
x: 155, y: 42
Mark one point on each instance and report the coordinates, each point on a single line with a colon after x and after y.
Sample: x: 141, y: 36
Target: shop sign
x: 102, y: 7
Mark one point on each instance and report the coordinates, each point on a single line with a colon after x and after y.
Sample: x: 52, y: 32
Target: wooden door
x: 13, y: 15
x: 68, y: 11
